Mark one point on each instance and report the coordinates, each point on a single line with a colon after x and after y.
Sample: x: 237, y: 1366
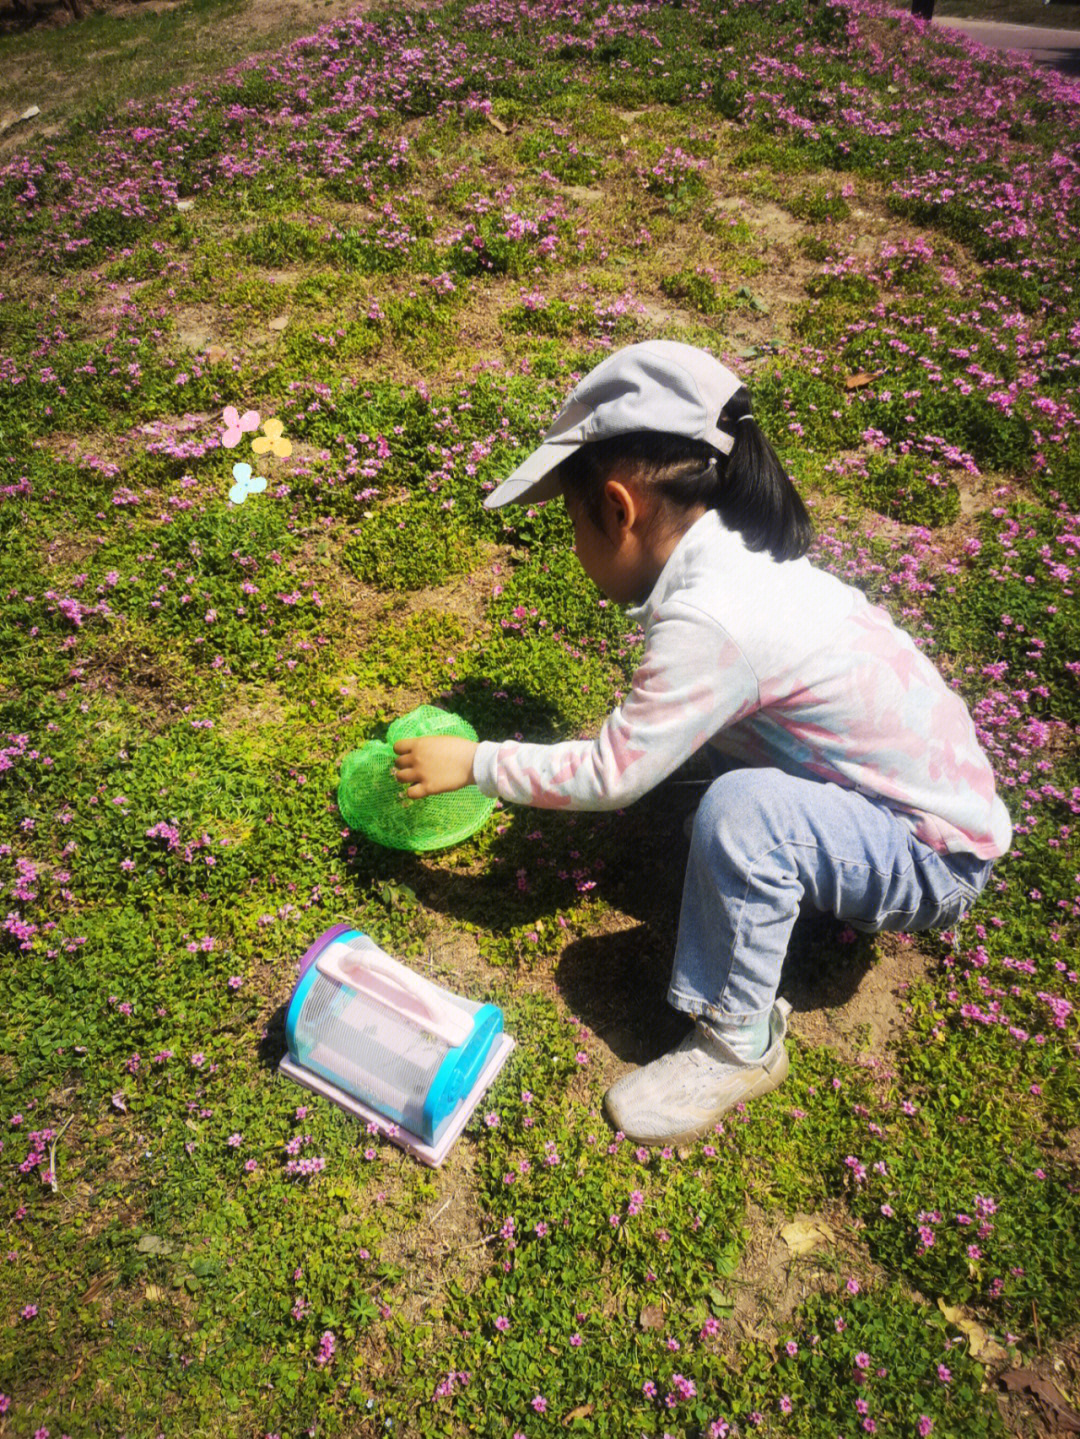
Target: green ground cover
x: 402, y: 235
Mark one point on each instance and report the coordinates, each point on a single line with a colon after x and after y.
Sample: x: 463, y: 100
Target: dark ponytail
x: 756, y: 496
x: 749, y: 488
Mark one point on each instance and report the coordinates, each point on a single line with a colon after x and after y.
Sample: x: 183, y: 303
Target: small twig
x: 52, y: 1151
x: 440, y: 1210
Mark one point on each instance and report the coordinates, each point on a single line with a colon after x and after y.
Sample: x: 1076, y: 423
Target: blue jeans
x: 763, y: 840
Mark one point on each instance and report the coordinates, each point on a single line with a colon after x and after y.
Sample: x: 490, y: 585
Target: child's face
x: 614, y: 557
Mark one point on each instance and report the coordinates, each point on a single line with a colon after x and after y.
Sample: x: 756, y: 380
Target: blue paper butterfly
x: 245, y: 485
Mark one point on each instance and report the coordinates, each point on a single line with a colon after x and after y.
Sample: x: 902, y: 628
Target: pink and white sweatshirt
x: 776, y: 664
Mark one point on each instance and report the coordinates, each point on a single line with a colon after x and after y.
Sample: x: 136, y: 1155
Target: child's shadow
x: 272, y: 1044
x: 617, y: 983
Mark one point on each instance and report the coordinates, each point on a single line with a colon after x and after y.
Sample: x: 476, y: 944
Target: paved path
x: 1058, y: 49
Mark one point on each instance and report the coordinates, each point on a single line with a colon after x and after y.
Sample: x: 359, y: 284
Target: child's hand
x: 433, y: 764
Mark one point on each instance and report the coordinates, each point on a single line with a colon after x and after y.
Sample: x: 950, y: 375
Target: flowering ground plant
x: 401, y: 237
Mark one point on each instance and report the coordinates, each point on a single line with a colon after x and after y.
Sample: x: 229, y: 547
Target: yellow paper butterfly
x: 272, y: 439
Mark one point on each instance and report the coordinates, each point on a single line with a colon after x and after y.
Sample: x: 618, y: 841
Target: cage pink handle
x: 383, y: 979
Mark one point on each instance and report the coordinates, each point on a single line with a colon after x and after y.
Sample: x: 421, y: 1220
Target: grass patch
x: 408, y: 233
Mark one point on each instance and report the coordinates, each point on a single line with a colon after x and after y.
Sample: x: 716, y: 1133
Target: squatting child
x: 851, y: 773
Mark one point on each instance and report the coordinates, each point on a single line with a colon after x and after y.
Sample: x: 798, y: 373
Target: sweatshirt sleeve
x: 692, y: 681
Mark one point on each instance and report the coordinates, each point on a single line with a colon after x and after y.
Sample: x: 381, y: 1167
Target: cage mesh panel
x: 370, y: 1051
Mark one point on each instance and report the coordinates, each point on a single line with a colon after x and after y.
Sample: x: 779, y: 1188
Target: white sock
x: 746, y: 1041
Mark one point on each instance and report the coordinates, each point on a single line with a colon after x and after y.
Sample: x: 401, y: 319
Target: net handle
x: 381, y: 978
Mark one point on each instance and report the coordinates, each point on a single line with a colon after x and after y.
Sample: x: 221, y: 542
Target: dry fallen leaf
x: 279, y: 322
x: 215, y: 354
x: 495, y: 123
x: 1027, y: 1380
x: 651, y: 1317
x: 803, y: 1235
x: 96, y: 1286
x: 856, y: 382
x: 581, y: 1412
x: 988, y: 1350
x: 981, y: 1345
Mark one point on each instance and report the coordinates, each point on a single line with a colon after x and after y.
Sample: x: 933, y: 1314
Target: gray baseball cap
x: 659, y: 385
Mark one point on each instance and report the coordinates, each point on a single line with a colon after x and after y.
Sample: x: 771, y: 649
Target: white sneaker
x: 681, y: 1095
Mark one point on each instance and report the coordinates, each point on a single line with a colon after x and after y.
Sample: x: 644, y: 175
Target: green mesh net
x: 373, y: 802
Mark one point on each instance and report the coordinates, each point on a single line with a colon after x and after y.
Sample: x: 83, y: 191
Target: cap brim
x: 534, y: 479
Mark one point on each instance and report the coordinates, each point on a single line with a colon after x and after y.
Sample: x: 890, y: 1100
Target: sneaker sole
x: 769, y: 1080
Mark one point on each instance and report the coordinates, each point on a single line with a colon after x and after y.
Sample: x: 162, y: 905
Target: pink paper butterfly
x: 236, y: 425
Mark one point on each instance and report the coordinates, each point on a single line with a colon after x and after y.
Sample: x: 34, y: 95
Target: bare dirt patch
x: 108, y: 449
x: 369, y: 610
x: 1041, y: 1399
x: 255, y: 717
x: 67, y: 550
x: 772, y: 1281
x: 138, y: 677
x: 615, y: 979
x: 198, y: 327
x: 447, y: 1243
x: 858, y: 1003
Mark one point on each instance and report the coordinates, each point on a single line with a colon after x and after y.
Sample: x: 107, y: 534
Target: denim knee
x: 737, y: 817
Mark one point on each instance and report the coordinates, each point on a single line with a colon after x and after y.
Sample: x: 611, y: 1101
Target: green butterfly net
x: 374, y: 803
